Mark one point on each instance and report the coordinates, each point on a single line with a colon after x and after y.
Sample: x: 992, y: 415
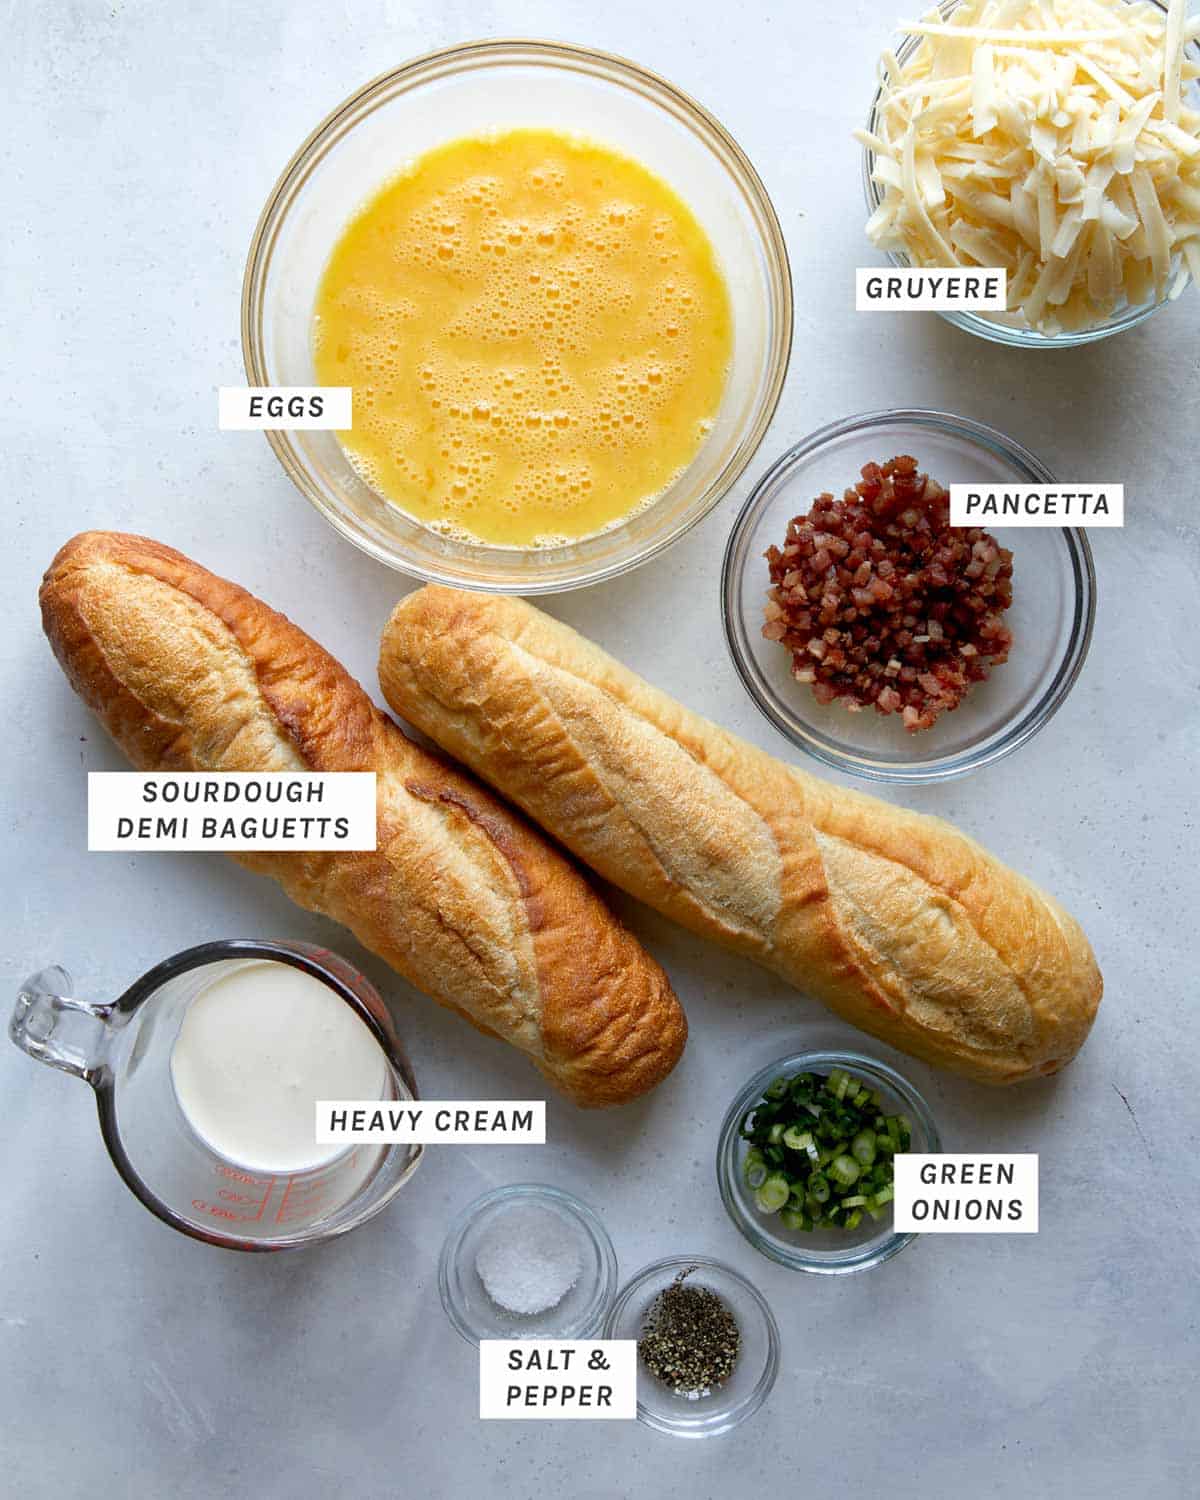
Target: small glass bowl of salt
x: 527, y: 1261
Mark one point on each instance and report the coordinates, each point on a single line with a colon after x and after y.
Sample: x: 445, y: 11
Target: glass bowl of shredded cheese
x: 1058, y: 139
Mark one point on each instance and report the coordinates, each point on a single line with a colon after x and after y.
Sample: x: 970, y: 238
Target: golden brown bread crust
x: 897, y: 921
x: 189, y: 672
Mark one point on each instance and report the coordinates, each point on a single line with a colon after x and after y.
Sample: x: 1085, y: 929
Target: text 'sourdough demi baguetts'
x: 895, y: 920
x: 462, y: 897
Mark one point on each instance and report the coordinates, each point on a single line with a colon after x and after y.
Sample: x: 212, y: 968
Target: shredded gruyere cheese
x: 1059, y: 139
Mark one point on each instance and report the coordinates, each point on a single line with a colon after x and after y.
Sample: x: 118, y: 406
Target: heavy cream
x: 257, y: 1048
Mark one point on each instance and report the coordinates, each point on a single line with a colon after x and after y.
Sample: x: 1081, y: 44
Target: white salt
x: 529, y: 1260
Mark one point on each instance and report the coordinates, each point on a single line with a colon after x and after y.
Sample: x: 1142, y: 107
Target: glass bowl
x: 480, y: 88
x: 827, y: 1252
x: 1051, y: 616
x: 580, y: 1313
x: 1008, y: 328
x: 758, y: 1359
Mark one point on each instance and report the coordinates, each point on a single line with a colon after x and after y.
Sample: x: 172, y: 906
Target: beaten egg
x: 537, y: 333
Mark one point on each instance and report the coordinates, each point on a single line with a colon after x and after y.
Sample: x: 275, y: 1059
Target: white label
x: 231, y: 810
x: 945, y: 289
x: 285, y: 408
x: 429, y: 1122
x: 524, y: 1379
x: 1037, y: 505
x: 949, y: 1193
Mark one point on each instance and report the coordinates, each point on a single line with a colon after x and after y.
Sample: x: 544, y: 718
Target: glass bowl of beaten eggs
x: 560, y: 295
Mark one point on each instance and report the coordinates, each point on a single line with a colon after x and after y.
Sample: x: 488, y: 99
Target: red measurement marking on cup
x: 287, y: 1193
x: 303, y: 1198
x: 244, y: 1203
x: 236, y: 1174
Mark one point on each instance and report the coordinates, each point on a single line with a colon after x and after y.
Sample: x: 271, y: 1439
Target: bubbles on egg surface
x: 552, y: 332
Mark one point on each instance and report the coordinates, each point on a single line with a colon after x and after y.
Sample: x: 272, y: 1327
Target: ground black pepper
x: 690, y: 1340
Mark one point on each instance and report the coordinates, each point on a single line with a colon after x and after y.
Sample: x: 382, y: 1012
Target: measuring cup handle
x: 56, y: 1029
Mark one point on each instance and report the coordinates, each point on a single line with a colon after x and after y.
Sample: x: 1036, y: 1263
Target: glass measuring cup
x: 123, y: 1050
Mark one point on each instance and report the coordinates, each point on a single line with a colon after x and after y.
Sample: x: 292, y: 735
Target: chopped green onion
x: 863, y: 1147
x: 754, y: 1169
x: 773, y: 1193
x: 819, y: 1151
x: 844, y: 1170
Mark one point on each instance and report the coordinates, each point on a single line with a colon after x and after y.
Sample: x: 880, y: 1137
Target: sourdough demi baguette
x: 897, y: 921
x: 189, y: 672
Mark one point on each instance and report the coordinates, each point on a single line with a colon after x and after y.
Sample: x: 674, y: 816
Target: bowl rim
x: 661, y: 93
x: 718, y: 1422
x: 948, y: 767
x: 873, y: 1252
x: 982, y: 327
x: 532, y: 1192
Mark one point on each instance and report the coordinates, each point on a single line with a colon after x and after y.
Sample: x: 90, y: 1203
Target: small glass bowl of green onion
x: 804, y: 1161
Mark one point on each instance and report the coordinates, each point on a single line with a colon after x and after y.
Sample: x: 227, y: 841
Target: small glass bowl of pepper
x: 708, y: 1345
x: 804, y: 1158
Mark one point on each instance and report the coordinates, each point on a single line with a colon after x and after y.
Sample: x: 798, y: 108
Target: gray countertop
x: 140, y: 142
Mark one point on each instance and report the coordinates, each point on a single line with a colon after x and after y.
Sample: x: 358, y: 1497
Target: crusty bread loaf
x: 462, y: 897
x: 897, y: 921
